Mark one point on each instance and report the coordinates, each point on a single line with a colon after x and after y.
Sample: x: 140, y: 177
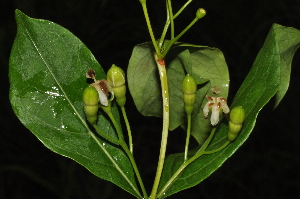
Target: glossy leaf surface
x: 262, y: 83
x: 47, y: 75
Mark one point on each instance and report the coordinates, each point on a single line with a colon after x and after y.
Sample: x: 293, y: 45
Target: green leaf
x: 287, y: 49
x: 47, y: 76
x: 261, y: 84
x: 206, y: 65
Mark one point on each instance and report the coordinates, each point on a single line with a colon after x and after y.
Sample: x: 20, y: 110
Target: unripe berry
x: 189, y: 87
x: 237, y: 117
x: 116, y: 78
x: 91, y: 99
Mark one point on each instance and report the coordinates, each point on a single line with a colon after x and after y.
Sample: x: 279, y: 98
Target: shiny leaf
x: 47, y: 76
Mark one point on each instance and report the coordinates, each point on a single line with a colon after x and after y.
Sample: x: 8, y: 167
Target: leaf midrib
x: 77, y: 113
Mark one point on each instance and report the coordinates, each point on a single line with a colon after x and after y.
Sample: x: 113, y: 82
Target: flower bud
x: 189, y: 87
x: 237, y: 117
x: 116, y: 78
x: 200, y: 13
x: 91, y: 99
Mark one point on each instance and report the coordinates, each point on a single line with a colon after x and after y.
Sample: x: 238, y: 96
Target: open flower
x: 102, y: 86
x: 215, y: 104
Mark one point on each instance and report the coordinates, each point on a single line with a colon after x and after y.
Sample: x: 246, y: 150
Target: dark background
x: 266, y: 166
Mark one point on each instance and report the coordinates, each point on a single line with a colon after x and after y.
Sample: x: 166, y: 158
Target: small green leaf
x: 261, y: 84
x: 206, y: 65
x: 143, y: 81
x: 47, y: 78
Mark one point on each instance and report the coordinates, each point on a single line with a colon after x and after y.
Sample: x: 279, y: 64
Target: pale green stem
x: 163, y: 35
x: 136, y: 170
x: 128, y: 128
x: 111, y: 139
x: 164, y: 140
x: 182, y: 8
x: 218, y: 149
x: 127, y: 151
x: 185, y: 164
x: 188, y: 134
x: 178, y: 36
x: 170, y: 13
x: 117, y: 126
x: 144, y: 6
x: 162, y: 38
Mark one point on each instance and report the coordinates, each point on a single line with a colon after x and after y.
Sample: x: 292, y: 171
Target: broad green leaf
x: 261, y: 84
x: 47, y: 77
x: 206, y: 65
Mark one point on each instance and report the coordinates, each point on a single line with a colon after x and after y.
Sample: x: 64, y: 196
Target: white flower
x: 103, y: 87
x: 215, y: 104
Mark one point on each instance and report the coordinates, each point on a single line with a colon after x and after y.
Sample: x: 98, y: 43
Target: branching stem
x: 168, y: 21
x: 145, y: 10
x: 123, y: 144
x: 186, y: 163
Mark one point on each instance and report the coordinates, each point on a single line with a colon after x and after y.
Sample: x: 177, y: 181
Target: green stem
x: 127, y: 151
x: 117, y: 126
x: 218, y: 149
x: 163, y: 35
x: 188, y: 134
x: 144, y: 6
x: 111, y: 139
x: 178, y: 36
x: 128, y: 128
x: 164, y: 140
x: 164, y: 32
x: 182, y: 8
x: 185, y: 164
x: 206, y: 143
x: 136, y: 170
x: 170, y: 14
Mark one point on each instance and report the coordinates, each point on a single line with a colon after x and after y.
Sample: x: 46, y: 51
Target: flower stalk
x: 189, y: 87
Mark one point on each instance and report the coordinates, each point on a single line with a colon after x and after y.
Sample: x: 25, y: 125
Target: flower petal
x: 102, y: 96
x: 224, y: 105
x: 215, y: 115
x: 206, y: 109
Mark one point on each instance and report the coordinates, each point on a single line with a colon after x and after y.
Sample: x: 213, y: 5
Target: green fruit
x: 237, y: 117
x: 189, y: 87
x: 91, y: 100
x: 116, y: 78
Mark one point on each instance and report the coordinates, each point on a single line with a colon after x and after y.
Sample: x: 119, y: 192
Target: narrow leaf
x: 47, y: 75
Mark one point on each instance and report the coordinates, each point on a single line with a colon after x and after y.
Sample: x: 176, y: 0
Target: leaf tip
x: 19, y: 15
x: 18, y: 12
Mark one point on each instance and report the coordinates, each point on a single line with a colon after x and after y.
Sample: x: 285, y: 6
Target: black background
x: 266, y: 166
